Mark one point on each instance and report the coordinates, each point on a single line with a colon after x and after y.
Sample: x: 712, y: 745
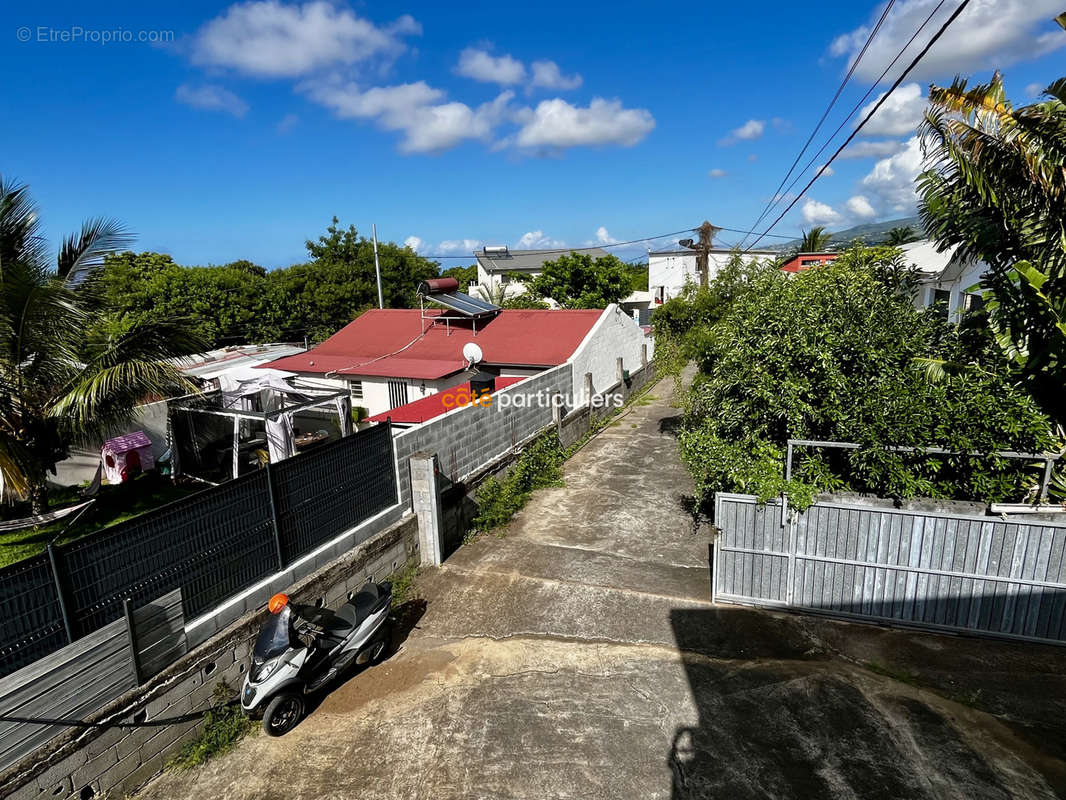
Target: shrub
x: 831, y: 354
x: 537, y: 467
x: 224, y: 726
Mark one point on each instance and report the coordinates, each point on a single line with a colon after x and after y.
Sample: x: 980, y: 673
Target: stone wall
x: 89, y: 763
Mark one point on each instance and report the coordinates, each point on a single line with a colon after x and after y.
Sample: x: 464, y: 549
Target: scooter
x: 301, y: 649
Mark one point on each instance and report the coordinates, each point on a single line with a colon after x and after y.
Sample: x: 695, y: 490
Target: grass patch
x: 223, y: 728
x: 538, y: 466
x: 403, y: 584
x: 114, y: 504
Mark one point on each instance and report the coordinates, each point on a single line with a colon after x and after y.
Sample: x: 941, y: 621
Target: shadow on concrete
x: 671, y: 425
x: 783, y: 720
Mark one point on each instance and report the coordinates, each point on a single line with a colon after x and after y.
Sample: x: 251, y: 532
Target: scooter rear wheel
x: 282, y: 714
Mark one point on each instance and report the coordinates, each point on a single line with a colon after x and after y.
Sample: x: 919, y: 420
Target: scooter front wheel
x: 282, y: 714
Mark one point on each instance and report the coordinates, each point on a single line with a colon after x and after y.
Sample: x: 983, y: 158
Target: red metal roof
x: 394, y: 342
x: 427, y: 408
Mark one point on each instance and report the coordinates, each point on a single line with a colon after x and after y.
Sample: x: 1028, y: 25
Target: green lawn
x: 113, y: 505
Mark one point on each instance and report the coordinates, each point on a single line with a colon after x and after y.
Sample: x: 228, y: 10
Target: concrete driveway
x: 578, y: 657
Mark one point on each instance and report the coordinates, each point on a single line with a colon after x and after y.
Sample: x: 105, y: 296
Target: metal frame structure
x: 1049, y: 460
x: 237, y: 414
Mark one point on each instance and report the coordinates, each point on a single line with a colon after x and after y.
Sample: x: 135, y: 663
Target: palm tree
x: 62, y: 379
x: 816, y: 240
x: 995, y: 189
x: 901, y: 235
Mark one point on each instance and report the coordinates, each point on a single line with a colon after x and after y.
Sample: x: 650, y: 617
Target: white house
x: 947, y: 278
x: 495, y: 263
x: 670, y: 270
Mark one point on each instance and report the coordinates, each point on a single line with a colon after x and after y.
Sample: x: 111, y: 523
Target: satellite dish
x: 472, y: 353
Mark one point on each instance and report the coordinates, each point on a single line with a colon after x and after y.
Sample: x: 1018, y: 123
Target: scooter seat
x: 368, y: 600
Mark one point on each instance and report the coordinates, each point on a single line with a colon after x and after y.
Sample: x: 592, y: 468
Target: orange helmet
x: 277, y: 603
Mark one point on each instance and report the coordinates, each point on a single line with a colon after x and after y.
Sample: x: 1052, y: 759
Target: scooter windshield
x: 274, y: 637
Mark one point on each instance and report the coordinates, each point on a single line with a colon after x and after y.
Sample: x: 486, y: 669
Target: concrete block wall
x: 578, y: 423
x: 115, y: 761
x: 466, y: 439
x: 615, y: 335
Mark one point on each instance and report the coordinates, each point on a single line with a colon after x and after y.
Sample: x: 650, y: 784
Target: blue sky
x: 451, y: 125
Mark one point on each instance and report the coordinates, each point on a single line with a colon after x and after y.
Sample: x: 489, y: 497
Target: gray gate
x: 946, y: 571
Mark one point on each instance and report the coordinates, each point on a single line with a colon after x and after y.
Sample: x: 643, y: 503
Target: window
x: 940, y: 300
x: 973, y: 302
x: 356, y: 388
x: 397, y: 394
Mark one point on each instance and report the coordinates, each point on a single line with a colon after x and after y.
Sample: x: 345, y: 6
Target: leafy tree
x: 996, y: 190
x: 576, y: 280
x: 828, y: 354
x: 465, y: 276
x: 638, y: 277
x: 241, y: 302
x: 63, y: 379
x: 816, y: 240
x: 900, y: 235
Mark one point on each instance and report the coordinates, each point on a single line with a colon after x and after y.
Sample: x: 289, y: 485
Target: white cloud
x: 1035, y: 89
x: 753, y: 157
x: 414, y: 242
x: 487, y: 68
x: 428, y: 126
x: 449, y: 246
x: 717, y: 173
x: 557, y: 123
x: 547, y: 75
x: 268, y: 39
x: 211, y: 98
x: 749, y: 131
x: 603, y: 237
x: 287, y: 123
x: 536, y: 240
x: 858, y: 206
x: 987, y: 33
x: 900, y: 114
x: 870, y: 149
x: 815, y: 213
x: 892, y: 179
x: 825, y: 170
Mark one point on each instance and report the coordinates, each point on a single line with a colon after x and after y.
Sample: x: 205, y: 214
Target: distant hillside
x: 871, y: 233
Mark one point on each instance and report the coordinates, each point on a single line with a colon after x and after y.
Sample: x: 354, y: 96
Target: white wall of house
x: 614, y: 334
x: 954, y: 291
x: 668, y: 272
x: 372, y: 391
x: 492, y: 280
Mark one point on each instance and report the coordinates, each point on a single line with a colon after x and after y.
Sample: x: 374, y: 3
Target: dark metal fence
x: 210, y: 545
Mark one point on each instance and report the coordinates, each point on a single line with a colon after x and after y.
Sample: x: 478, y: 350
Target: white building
x: 495, y: 265
x: 947, y: 278
x: 670, y: 270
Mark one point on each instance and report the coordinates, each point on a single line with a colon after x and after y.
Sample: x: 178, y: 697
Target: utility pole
x: 377, y: 267
x: 703, y: 250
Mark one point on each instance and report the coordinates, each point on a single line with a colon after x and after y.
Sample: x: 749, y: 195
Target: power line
x: 825, y: 114
x: 776, y: 200
x: 867, y: 118
x: 591, y: 247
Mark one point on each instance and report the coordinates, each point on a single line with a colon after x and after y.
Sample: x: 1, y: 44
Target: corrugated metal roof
x: 395, y: 342
x: 217, y: 362
x: 527, y: 260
